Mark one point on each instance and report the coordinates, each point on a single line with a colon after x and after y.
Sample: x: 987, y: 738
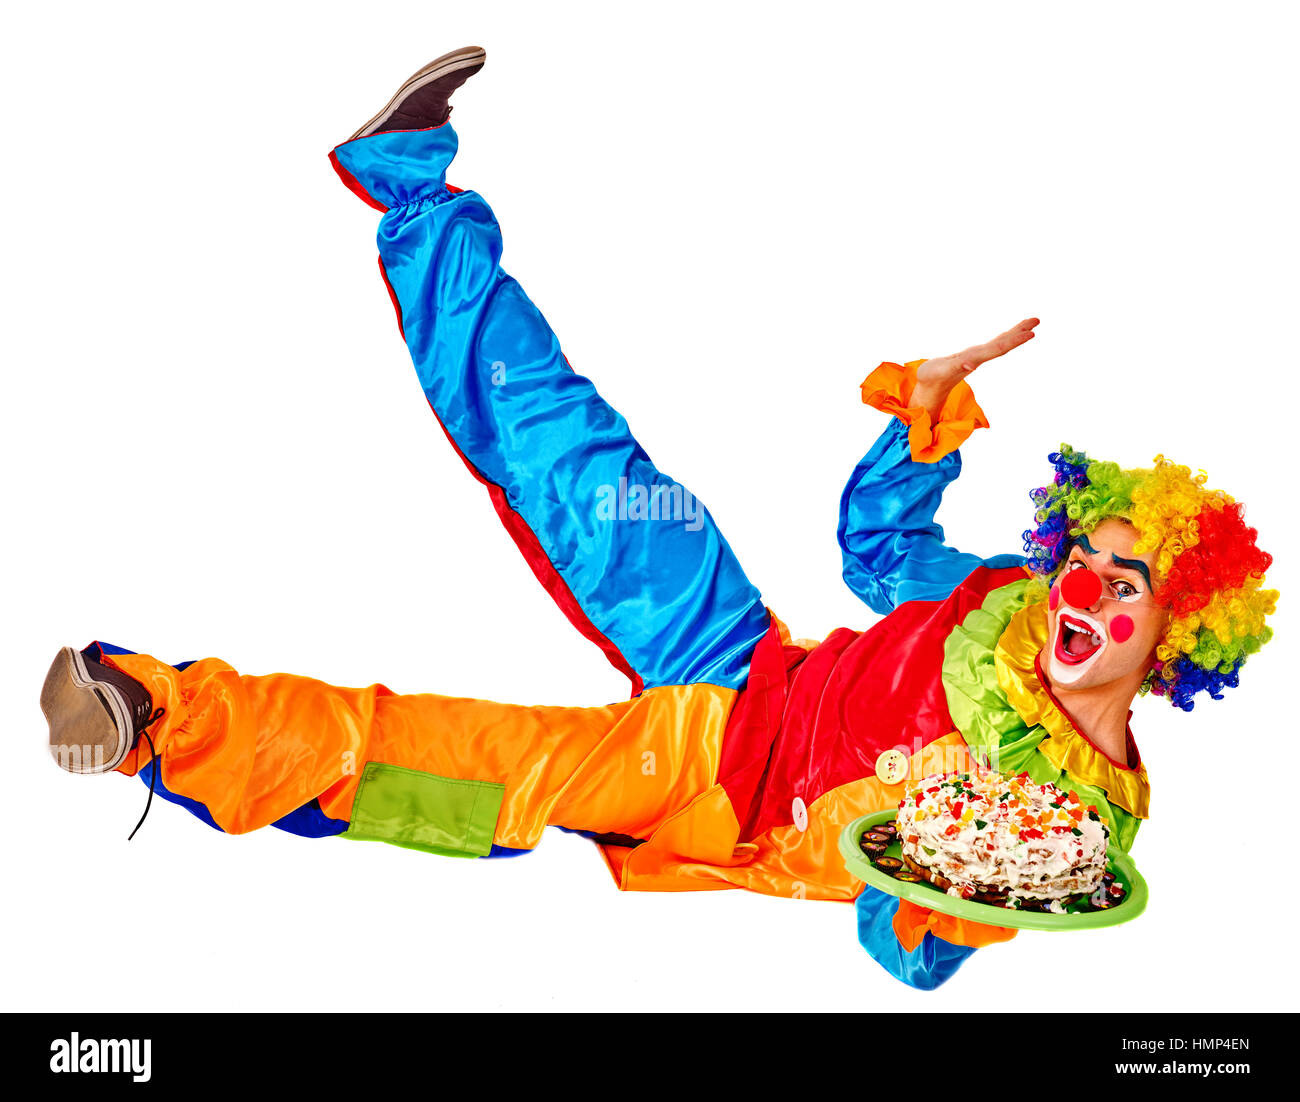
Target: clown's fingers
x: 1000, y: 345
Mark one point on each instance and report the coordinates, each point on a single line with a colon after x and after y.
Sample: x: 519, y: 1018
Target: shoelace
x: 144, y: 713
x: 153, y: 773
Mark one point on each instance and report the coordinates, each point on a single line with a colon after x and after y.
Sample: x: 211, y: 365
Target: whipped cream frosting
x: 996, y: 832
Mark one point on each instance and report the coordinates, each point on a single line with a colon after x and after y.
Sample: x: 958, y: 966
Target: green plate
x: 922, y: 894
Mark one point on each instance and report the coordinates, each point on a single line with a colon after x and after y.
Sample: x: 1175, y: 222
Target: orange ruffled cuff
x: 912, y: 923
x: 889, y: 389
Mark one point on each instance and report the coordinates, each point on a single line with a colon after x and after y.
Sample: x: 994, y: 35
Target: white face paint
x: 1066, y: 668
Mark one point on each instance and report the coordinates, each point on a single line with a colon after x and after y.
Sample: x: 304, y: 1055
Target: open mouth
x: 1076, y: 641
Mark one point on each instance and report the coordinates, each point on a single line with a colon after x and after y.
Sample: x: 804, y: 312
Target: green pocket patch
x: 422, y: 811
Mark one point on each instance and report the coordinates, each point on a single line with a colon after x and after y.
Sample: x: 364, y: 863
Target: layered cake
x: 1003, y: 839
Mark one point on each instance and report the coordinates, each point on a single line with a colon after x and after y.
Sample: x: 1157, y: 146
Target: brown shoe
x: 96, y: 713
x: 421, y: 102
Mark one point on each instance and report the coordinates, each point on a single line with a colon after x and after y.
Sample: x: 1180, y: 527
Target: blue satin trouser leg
x: 642, y: 559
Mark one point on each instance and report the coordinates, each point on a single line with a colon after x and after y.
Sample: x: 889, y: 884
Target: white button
x: 891, y: 767
x: 800, y: 812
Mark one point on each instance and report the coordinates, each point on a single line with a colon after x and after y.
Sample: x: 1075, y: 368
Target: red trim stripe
x: 544, y: 570
x: 354, y: 185
x: 529, y: 545
x: 397, y: 306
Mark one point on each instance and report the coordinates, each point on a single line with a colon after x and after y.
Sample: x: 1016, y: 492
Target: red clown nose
x: 1081, y: 588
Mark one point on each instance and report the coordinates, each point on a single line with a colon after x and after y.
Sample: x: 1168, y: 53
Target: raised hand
x: 936, y: 378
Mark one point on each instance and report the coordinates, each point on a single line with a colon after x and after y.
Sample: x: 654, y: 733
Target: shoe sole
x: 88, y: 720
x: 465, y: 58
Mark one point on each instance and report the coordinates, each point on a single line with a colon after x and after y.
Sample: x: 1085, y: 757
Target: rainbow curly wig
x: 1209, y: 571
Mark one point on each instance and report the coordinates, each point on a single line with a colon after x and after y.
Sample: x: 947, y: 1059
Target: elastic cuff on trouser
x: 397, y: 168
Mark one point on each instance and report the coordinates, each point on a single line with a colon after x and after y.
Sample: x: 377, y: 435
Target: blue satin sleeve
x: 930, y: 964
x: 893, y: 551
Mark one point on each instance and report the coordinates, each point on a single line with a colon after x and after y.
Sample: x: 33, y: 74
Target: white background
x: 214, y: 443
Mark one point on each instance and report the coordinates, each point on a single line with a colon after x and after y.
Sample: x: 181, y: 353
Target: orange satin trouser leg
x: 252, y: 749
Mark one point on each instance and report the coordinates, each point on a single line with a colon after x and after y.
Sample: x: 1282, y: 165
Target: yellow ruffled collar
x: 1068, y: 748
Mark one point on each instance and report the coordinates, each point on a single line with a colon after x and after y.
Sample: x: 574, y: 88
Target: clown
x: 740, y: 756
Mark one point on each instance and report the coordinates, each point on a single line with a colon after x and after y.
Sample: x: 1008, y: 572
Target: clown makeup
x: 1127, y: 564
x: 1103, y: 619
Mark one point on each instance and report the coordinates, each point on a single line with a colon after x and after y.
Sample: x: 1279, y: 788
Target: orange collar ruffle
x: 1068, y: 748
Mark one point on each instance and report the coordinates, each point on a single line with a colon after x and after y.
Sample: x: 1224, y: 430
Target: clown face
x: 1103, y: 634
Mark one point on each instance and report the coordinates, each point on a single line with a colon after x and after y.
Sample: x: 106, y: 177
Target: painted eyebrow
x: 1130, y: 564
